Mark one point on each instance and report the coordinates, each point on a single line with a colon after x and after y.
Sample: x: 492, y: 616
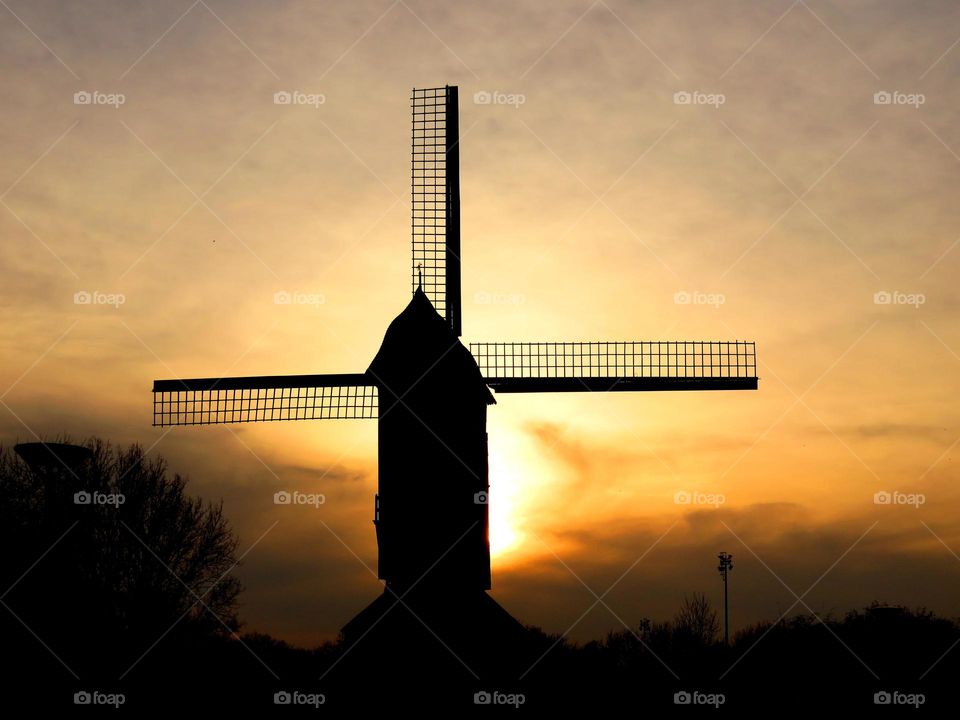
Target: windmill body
x: 431, y: 506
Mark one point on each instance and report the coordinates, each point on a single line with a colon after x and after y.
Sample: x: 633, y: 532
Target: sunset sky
x: 798, y: 202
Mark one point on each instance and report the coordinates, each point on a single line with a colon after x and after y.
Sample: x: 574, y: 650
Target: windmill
x: 429, y: 394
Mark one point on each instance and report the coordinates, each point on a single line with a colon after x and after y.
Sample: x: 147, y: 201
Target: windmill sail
x: 214, y: 401
x: 617, y: 366
x: 435, y: 195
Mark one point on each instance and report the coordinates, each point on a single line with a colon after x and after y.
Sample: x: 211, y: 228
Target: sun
x: 504, y: 505
x: 503, y: 537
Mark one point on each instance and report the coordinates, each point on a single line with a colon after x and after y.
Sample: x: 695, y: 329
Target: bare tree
x: 697, y: 620
x: 122, y: 544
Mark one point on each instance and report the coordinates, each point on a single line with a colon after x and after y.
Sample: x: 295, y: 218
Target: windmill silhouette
x: 429, y: 394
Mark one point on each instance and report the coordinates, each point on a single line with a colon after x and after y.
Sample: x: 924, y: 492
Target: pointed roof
x: 420, y: 347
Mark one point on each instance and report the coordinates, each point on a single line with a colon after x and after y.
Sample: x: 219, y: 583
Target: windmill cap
x: 420, y: 349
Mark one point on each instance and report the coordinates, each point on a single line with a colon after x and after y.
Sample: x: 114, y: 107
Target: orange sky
x: 586, y: 209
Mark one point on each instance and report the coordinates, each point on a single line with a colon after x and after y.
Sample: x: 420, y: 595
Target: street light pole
x: 726, y: 565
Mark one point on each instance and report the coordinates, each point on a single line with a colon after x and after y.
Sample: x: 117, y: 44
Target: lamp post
x: 726, y: 565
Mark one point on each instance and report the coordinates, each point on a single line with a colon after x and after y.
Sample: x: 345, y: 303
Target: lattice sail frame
x: 641, y: 365
x: 667, y: 358
x: 216, y: 401
x: 435, y: 199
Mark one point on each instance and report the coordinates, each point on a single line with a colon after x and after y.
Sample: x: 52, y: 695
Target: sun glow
x: 505, y: 505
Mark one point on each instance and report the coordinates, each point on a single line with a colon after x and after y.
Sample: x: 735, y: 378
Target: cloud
x: 885, y: 431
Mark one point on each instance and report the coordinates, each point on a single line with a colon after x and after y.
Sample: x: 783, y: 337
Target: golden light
x: 506, y: 499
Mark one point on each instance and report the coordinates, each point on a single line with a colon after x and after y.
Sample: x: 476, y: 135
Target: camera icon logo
x: 682, y: 698
x: 882, y: 698
x: 482, y: 698
x: 82, y: 498
x: 282, y: 98
x: 82, y: 698
x: 82, y: 97
x: 882, y: 498
x: 282, y: 698
x: 480, y: 498
x: 282, y: 497
x: 482, y: 98
x: 682, y: 98
x: 882, y: 97
x: 82, y: 298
